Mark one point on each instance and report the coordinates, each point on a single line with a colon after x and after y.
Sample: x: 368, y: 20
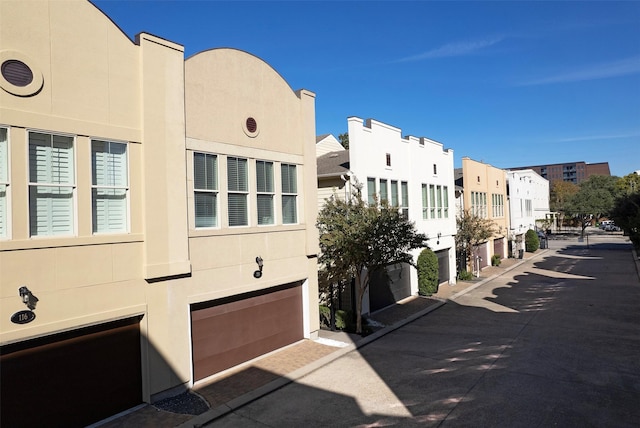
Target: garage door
x: 384, y: 292
x: 443, y: 266
x: 231, y: 331
x: 71, y: 379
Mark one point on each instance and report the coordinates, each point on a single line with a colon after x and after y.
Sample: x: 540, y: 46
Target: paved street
x: 554, y: 342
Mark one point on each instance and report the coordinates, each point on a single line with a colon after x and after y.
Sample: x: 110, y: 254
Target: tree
x: 626, y: 214
x: 428, y: 271
x: 472, y: 231
x: 344, y: 140
x: 358, y: 240
x: 561, y: 192
x: 628, y: 185
x: 595, y: 198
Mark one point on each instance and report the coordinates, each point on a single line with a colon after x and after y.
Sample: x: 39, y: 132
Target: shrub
x: 345, y: 320
x: 464, y: 275
x: 495, y: 260
x: 427, y: 273
x: 531, y: 241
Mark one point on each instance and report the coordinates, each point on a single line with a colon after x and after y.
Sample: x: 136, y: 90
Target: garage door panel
x: 233, y: 332
x: 98, y: 369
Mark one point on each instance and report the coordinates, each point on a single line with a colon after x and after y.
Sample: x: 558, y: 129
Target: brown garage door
x: 71, y: 379
x: 228, y: 332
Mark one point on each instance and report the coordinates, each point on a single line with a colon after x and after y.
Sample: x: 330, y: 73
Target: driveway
x: 554, y: 342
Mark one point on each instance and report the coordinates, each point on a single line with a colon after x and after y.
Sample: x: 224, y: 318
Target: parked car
x: 611, y: 227
x: 605, y: 223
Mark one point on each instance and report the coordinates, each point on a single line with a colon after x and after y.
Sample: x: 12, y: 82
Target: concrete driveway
x: 554, y: 342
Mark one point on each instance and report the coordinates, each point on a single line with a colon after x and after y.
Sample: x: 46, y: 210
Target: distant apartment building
x: 157, y: 214
x: 414, y: 174
x: 572, y: 172
x: 484, y: 193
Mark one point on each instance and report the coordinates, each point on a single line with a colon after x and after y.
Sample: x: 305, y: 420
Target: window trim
x: 73, y: 185
x: 215, y: 191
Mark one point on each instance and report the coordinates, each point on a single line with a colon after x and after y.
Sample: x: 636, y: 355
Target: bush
x: 463, y: 275
x: 427, y: 273
x: 531, y: 241
x: 495, y: 260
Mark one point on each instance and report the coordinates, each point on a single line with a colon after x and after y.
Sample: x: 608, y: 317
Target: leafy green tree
x: 472, y: 231
x: 344, y: 140
x: 595, y: 198
x: 358, y: 240
x: 561, y: 192
x: 628, y: 185
x: 626, y: 214
x: 531, y: 241
x: 428, y: 271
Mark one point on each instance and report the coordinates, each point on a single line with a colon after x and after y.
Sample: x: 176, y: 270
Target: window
x: 237, y: 185
x: 383, y: 191
x: 205, y: 189
x: 289, y: 194
x: 432, y: 200
x: 371, y: 190
x: 425, y: 202
x: 404, y: 189
x: 51, y: 184
x: 394, y: 193
x: 110, y: 186
x: 497, y: 201
x: 445, y: 201
x: 388, y: 159
x: 435, y: 169
x: 528, y: 208
x: 4, y: 182
x: 479, y: 204
x: 439, y: 200
x: 264, y: 186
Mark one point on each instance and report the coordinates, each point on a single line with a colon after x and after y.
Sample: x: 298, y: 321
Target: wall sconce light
x: 27, y: 297
x: 438, y: 241
x: 258, y: 273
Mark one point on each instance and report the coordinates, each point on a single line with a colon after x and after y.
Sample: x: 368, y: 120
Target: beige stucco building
x: 484, y: 193
x: 157, y: 215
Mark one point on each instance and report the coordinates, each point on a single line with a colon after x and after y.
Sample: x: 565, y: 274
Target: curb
x: 221, y: 410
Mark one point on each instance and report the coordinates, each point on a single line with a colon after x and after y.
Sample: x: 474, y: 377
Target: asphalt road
x: 553, y: 342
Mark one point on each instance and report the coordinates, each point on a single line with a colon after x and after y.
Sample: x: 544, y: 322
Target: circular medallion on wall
x: 250, y: 127
x: 19, y: 75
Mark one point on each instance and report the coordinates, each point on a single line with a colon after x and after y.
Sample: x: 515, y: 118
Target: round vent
x: 252, y: 125
x: 17, y: 72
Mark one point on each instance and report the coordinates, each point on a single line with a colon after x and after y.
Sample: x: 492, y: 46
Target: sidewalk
x: 247, y: 382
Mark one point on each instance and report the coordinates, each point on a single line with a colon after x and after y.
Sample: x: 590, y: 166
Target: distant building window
x: 388, y: 159
x: 394, y: 193
x: 432, y: 200
x: 479, y: 204
x: 497, y: 205
x: 435, y: 169
x: 51, y: 184
x: 445, y: 201
x: 289, y: 194
x: 110, y: 186
x: 404, y: 190
x: 425, y: 202
x: 384, y: 196
x: 237, y: 186
x: 371, y: 190
x: 205, y: 189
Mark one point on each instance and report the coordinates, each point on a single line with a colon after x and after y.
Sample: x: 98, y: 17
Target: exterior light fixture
x: 258, y: 273
x: 27, y: 297
x: 438, y: 241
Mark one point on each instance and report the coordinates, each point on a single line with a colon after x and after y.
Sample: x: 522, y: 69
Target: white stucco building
x: 413, y: 173
x: 528, y: 195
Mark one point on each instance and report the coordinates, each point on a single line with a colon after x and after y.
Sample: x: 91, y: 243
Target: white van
x: 605, y: 223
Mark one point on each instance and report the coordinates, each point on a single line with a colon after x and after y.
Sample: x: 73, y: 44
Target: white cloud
x: 454, y: 49
x: 600, y: 71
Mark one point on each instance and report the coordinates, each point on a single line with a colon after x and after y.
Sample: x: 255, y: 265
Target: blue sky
x: 508, y: 83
